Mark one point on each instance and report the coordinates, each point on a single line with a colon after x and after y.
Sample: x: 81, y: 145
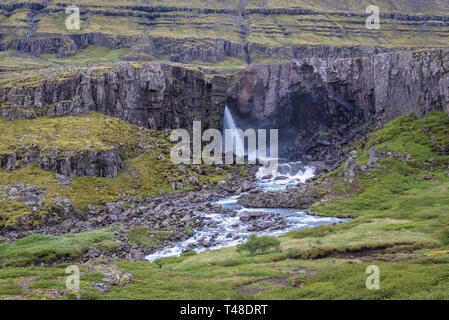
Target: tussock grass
x: 36, y: 248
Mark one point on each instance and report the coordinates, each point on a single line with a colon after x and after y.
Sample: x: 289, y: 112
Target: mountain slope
x: 226, y: 34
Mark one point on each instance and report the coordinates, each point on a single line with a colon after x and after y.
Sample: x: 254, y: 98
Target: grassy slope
x: 393, y: 205
x: 145, y: 173
x: 415, y: 7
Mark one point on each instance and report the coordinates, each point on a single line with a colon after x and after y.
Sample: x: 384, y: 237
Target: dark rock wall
x: 87, y: 163
x: 156, y: 96
x: 332, y: 98
x: 313, y: 101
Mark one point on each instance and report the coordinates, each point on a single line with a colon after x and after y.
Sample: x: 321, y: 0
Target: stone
x: 115, y: 211
x: 281, y: 178
x: 351, y: 167
x: 374, y: 157
x: 199, y: 170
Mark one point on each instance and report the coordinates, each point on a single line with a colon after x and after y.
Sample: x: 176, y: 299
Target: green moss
x: 147, y: 238
x: 147, y: 167
x: 36, y: 248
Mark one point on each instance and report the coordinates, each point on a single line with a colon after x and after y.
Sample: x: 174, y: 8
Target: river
x: 227, y: 230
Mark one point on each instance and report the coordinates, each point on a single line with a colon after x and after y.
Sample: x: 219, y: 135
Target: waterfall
x: 229, y: 124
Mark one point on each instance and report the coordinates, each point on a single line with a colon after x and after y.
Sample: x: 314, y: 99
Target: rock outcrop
x: 324, y: 99
x: 316, y: 103
x: 351, y: 167
x: 380, y: 87
x: 156, y: 96
x: 87, y: 163
x: 300, y: 198
x: 218, y: 32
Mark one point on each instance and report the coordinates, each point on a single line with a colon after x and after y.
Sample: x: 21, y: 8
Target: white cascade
x: 228, y: 123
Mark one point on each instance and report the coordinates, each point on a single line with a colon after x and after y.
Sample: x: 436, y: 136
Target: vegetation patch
x: 36, y: 248
x: 147, y: 170
x: 147, y: 238
x: 260, y: 245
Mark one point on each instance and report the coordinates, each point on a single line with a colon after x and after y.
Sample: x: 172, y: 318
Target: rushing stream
x: 228, y: 229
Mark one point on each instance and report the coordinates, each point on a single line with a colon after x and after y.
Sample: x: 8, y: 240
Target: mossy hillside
x: 185, y: 26
x: 36, y: 249
x: 147, y: 170
x: 411, y: 7
x: 91, y: 55
x: 147, y: 238
x: 19, y: 18
x: 220, y: 274
x: 72, y: 134
x: 34, y: 77
x: 277, y: 30
x: 396, y: 229
x: 12, y: 60
x: 413, y: 190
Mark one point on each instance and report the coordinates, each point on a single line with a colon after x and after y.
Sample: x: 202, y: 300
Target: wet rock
x: 320, y: 167
x: 280, y: 178
x: 246, y: 186
x: 287, y: 198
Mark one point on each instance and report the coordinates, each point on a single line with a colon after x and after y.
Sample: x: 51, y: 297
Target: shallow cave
x: 311, y: 122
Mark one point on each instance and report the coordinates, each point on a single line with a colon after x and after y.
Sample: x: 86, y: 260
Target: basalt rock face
x: 316, y: 103
x: 324, y: 100
x: 87, y: 163
x: 177, y: 50
x: 156, y: 96
x: 215, y: 31
x: 300, y: 198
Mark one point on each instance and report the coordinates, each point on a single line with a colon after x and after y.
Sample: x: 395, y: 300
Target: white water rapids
x: 229, y: 124
x: 221, y: 225
x: 224, y: 230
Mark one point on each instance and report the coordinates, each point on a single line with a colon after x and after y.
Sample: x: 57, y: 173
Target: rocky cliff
x: 210, y: 32
x: 313, y: 101
x: 156, y: 96
x: 90, y: 163
x: 327, y: 99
